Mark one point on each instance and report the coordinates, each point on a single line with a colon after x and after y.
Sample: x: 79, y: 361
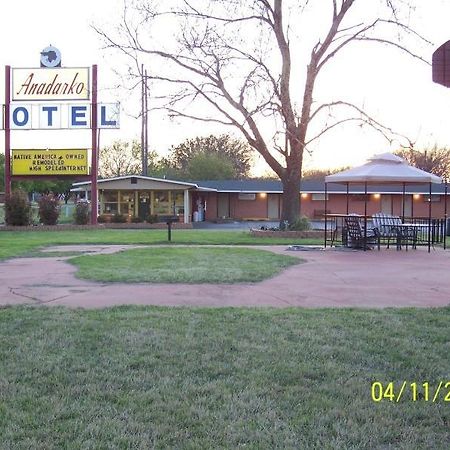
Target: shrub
x: 136, y: 219
x: 48, y: 209
x: 102, y: 218
x: 17, y: 209
x: 81, y: 213
x: 152, y: 218
x: 118, y: 218
x: 300, y: 224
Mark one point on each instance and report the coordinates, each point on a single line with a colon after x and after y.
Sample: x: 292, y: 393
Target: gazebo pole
x: 429, y: 222
x: 347, y: 198
x: 403, y: 204
x: 445, y: 214
x: 365, y: 215
x: 325, y: 213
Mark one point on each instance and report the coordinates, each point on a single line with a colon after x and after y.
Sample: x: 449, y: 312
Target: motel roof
x: 257, y: 185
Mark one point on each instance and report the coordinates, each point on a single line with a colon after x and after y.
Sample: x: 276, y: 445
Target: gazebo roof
x: 381, y: 169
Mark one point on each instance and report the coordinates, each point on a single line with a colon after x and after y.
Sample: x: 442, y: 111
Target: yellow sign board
x: 50, y: 162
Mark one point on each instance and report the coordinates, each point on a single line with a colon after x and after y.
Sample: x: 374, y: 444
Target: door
x: 386, y: 203
x: 273, y: 206
x: 144, y: 205
x: 408, y: 205
x: 223, y: 206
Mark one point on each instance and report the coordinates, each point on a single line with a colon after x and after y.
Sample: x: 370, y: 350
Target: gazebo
x: 390, y: 169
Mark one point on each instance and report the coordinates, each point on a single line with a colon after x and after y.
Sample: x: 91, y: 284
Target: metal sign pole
x: 326, y: 218
x: 365, y: 216
x: 445, y: 213
x: 94, y: 163
x: 7, y: 131
x: 429, y: 222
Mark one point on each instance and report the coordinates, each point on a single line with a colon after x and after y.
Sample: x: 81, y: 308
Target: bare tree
x: 434, y: 160
x: 236, y: 63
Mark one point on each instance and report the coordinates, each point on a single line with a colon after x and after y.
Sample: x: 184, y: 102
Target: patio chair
x: 355, y: 233
x: 387, y: 225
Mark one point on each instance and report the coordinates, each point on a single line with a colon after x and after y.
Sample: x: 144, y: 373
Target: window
x: 319, y: 197
x: 434, y: 198
x: 359, y: 197
x: 126, y: 202
x: 161, y: 203
x: 115, y: 202
x: 110, y: 202
x: 243, y: 196
x: 178, y: 202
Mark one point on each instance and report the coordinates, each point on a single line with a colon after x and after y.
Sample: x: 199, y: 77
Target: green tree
x: 60, y: 188
x: 119, y: 159
x: 435, y: 160
x: 228, y: 157
x: 320, y: 174
x: 161, y: 167
x: 210, y: 166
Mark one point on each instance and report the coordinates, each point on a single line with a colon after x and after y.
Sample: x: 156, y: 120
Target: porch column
x: 187, y: 212
x: 136, y: 203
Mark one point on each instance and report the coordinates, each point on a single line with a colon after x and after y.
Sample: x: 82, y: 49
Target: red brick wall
x: 337, y: 203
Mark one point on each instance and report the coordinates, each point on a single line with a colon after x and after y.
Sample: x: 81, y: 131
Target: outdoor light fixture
x: 416, y: 196
x: 304, y: 195
x: 376, y: 196
x: 263, y: 195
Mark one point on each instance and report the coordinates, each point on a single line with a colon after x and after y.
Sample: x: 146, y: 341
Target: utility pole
x: 144, y: 125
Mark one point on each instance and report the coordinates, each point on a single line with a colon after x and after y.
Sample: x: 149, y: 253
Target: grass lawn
x: 18, y: 243
x: 183, y: 265
x: 148, y: 377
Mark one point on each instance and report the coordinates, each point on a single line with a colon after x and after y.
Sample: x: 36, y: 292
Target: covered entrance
x: 147, y: 198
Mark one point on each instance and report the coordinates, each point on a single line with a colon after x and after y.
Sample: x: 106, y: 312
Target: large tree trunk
x: 291, y: 198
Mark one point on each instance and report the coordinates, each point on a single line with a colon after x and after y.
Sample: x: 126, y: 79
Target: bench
x: 389, y: 227
x: 320, y: 213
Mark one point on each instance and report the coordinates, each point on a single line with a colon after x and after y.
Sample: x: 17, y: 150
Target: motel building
x: 142, y: 196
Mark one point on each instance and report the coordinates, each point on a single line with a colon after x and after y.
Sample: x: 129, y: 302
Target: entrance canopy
x: 385, y: 168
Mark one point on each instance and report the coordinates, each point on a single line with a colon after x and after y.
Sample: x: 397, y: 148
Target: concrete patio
x: 327, y: 278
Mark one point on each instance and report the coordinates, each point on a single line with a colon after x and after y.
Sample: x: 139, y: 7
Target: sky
x: 395, y: 89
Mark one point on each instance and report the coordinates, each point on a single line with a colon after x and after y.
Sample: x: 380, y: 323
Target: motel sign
x: 52, y: 97
x: 61, y: 116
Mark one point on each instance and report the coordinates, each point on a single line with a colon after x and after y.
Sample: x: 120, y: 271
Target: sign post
x: 7, y: 131
x: 35, y: 99
x: 94, y: 162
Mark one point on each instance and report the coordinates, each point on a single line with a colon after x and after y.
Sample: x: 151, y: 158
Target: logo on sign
x: 50, y: 57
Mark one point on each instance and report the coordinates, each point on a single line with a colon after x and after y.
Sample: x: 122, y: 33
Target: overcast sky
x: 395, y: 89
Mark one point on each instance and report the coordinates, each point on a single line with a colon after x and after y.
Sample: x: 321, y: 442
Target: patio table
x: 405, y: 230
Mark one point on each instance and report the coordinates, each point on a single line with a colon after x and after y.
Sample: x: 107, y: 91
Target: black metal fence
x: 437, y: 228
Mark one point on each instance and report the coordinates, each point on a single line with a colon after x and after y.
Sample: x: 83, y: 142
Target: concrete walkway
x: 328, y: 278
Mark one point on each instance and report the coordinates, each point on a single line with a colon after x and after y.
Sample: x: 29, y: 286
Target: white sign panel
x: 42, y: 116
x: 44, y: 84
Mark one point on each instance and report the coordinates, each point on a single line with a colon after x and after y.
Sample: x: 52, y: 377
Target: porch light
x: 416, y: 196
x: 376, y: 196
x: 263, y: 195
x: 304, y: 195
